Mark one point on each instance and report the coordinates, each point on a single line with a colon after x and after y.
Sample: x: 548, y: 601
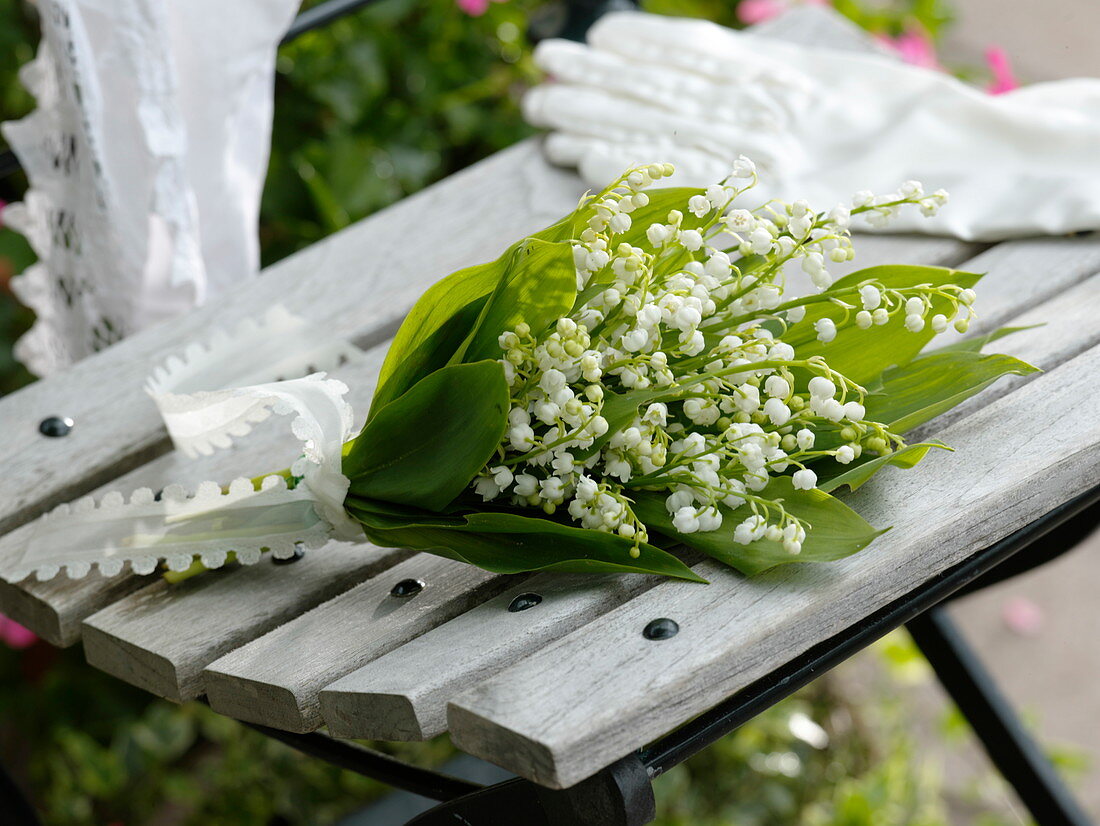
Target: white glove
x: 820, y: 124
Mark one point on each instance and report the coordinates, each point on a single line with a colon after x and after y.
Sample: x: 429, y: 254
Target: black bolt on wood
x: 55, y: 426
x: 661, y: 628
x: 523, y: 602
x: 299, y: 552
x: 407, y: 588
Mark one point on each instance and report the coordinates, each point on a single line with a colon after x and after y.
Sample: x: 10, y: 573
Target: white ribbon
x: 177, y: 526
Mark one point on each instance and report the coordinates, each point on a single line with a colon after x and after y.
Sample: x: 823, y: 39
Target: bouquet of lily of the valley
x: 635, y: 378
x: 632, y: 379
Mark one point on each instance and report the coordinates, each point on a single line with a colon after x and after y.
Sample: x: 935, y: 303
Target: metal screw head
x: 407, y: 588
x: 661, y: 628
x: 523, y: 602
x: 299, y: 552
x: 55, y: 426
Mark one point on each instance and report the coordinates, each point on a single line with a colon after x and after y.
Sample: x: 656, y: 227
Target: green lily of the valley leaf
x: 978, y: 343
x: 424, y: 448
x: 538, y: 287
x: 508, y: 543
x: 444, y: 317
x: 441, y: 320
x: 835, y: 531
x: 384, y: 515
x: 435, y: 327
x: 855, y: 474
x: 931, y: 385
x: 862, y: 355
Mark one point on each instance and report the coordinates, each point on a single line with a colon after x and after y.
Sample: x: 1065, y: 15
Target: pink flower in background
x: 15, y: 635
x: 751, y: 12
x: 1003, y: 78
x: 476, y: 8
x: 914, y: 47
x: 1022, y: 616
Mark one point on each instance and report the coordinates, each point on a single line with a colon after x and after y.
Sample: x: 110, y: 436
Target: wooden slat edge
x: 275, y: 680
x: 162, y: 637
x: 403, y: 694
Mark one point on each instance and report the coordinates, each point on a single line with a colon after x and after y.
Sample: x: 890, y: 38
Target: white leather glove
x: 820, y: 124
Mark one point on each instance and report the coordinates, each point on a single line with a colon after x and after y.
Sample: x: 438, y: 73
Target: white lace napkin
x: 821, y: 124
x: 146, y: 158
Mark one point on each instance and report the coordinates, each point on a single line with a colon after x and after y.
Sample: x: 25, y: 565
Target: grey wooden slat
x: 163, y: 636
x: 357, y: 284
x: 275, y: 679
x: 55, y: 612
x: 54, y: 609
x: 403, y: 695
x: 594, y: 696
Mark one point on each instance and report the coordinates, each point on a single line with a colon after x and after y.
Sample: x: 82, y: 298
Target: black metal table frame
x: 622, y: 794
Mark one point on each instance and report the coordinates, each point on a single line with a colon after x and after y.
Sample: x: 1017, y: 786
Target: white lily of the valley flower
x: 720, y: 429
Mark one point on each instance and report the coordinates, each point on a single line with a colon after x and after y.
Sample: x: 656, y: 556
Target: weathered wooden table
x: 563, y: 685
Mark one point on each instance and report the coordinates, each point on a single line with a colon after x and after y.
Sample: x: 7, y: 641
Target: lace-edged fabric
x: 144, y: 129
x: 242, y: 517
x: 69, y: 213
x: 175, y: 528
x: 108, y: 213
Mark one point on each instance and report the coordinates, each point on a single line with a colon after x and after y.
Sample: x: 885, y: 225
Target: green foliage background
x: 369, y: 110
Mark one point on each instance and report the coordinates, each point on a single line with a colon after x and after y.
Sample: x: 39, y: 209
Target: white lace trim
x: 210, y: 522
x: 265, y: 351
x: 174, y: 529
x: 146, y: 157
x: 108, y: 212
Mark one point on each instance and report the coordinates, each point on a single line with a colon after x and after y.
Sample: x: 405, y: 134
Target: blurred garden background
x: 370, y: 109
